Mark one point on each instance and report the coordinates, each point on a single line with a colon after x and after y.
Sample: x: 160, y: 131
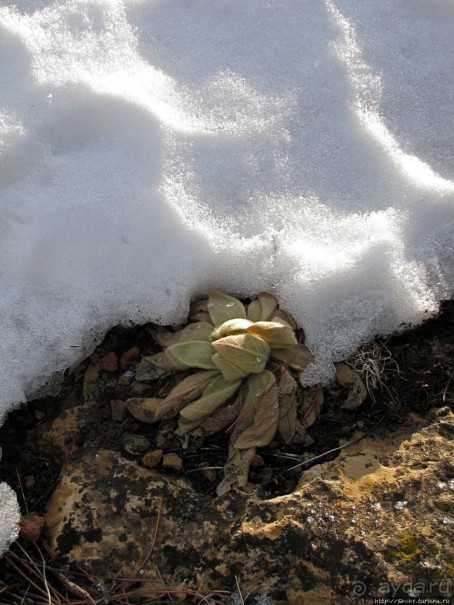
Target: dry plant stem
x: 9, y: 556
x: 22, y: 491
x: 337, y: 449
x: 155, y: 535
x: 73, y: 588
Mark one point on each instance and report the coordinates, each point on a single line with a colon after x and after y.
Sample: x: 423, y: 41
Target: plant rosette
x: 241, y: 357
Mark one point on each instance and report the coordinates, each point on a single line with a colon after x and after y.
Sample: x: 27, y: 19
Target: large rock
x: 373, y: 522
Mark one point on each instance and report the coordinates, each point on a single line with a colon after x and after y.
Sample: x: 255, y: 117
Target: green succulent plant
x: 241, y: 355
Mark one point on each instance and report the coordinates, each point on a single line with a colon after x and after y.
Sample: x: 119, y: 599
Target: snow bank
x: 151, y: 151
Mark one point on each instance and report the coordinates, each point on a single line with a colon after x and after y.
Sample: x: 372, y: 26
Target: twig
x: 22, y: 491
x: 336, y: 449
x: 155, y: 535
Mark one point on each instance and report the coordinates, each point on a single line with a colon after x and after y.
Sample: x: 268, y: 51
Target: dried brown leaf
x: 312, y: 404
x: 264, y: 394
x: 145, y: 409
x: 297, y: 358
x: 287, y: 407
x: 349, y: 379
x: 155, y: 366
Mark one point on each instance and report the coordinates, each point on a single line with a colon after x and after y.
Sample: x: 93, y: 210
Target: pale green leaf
x: 285, y: 316
x: 194, y: 354
x: 218, y: 392
x: 254, y: 310
x: 276, y: 333
x: 222, y: 307
x: 193, y: 331
x: 297, y: 358
x: 229, y: 370
x: 268, y: 304
x: 248, y: 352
x: 230, y: 327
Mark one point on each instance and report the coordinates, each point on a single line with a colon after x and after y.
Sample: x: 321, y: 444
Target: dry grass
x: 375, y: 364
x: 32, y: 576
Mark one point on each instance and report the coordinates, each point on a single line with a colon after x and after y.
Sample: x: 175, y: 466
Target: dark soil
x: 415, y: 374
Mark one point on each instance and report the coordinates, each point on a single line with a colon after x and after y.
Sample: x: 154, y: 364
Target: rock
x: 109, y: 363
x: 172, y: 461
x: 152, y: 459
x: 30, y: 527
x: 129, y: 356
x: 354, y: 527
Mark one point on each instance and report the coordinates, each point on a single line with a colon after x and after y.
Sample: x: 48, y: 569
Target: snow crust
x: 153, y: 151
x: 9, y: 517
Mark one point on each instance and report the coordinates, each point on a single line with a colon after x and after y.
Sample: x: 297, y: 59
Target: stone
x: 172, y: 461
x: 109, y: 363
x: 373, y: 518
x: 152, y: 459
x: 30, y: 527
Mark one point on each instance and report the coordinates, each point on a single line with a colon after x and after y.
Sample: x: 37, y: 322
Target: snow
x: 152, y: 151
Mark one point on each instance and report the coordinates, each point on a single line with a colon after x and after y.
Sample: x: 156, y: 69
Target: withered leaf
x: 263, y: 390
x: 155, y: 366
x: 287, y: 407
x: 348, y: 378
x: 312, y: 404
x: 222, y: 418
x: 236, y: 469
x: 145, y: 409
x: 215, y: 395
x: 286, y: 316
x: 298, y: 357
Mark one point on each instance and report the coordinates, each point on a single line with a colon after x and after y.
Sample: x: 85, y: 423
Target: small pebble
x: 152, y: 459
x: 30, y: 527
x: 109, y: 363
x: 129, y: 356
x: 172, y: 461
x: 135, y: 444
